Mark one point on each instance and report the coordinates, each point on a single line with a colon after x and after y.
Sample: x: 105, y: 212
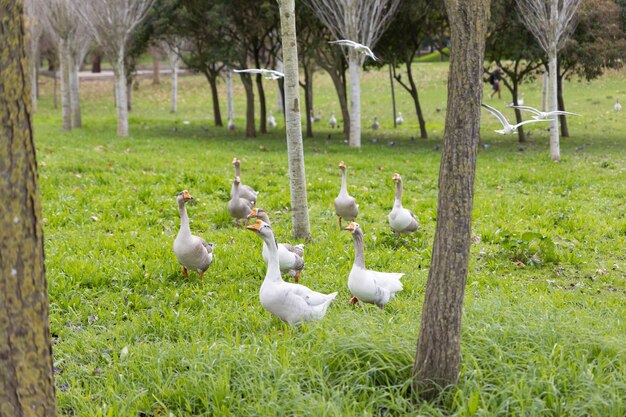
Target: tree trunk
x: 129, y: 94
x: 308, y: 101
x: 156, y: 72
x: 66, y: 93
x: 263, y: 116
x: 355, y: 99
x: 55, y: 89
x: 77, y: 120
x: 416, y: 100
x: 295, y: 151
x: 555, y: 150
x: 521, y: 137
x: 437, y: 361
x: 217, y: 114
x: 342, y: 96
x: 393, y: 98
x: 246, y: 79
x: 121, y: 100
x: 561, y: 103
x: 280, y: 103
x: 96, y: 62
x: 544, y: 92
x: 174, y: 64
x: 26, y: 379
x: 33, y: 49
x: 229, y: 94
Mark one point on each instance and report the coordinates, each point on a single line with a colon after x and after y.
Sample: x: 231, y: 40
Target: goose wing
x: 528, y: 108
x: 500, y: 116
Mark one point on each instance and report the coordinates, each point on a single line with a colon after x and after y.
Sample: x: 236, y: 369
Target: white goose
x: 617, y: 106
x: 271, y: 120
x: 401, y: 220
x: 332, y: 121
x: 360, y: 48
x: 192, y: 252
x: 369, y: 286
x: 238, y: 207
x: 292, y: 303
x: 399, y: 119
x: 543, y: 115
x: 231, y: 124
x: 508, y: 129
x: 245, y: 191
x: 290, y: 257
x: 375, y: 124
x: 345, y: 205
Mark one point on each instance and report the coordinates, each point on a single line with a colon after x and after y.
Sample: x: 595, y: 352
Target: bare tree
x: 35, y: 30
x: 174, y: 49
x: 362, y: 21
x: 295, y: 151
x: 112, y: 22
x: 26, y: 379
x: 438, y: 357
x: 551, y: 22
x: 78, y: 47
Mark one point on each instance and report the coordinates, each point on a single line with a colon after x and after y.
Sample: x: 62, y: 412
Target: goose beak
x: 256, y: 226
x: 237, y: 180
x: 342, y: 165
x: 253, y: 213
x: 396, y: 177
x: 187, y: 196
x: 350, y: 228
x: 235, y: 161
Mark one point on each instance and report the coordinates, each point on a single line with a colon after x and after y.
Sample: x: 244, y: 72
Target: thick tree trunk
x: 555, y: 149
x: 561, y: 103
x: 66, y: 91
x: 262, y: 104
x: 295, y: 151
x: 437, y: 361
x: 26, y: 379
x: 246, y: 79
x: 77, y: 120
x: 217, y: 114
x: 121, y: 99
x: 355, y: 99
x: 174, y: 63
x: 156, y: 61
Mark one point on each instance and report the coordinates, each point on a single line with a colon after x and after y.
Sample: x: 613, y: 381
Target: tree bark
x: 354, y: 67
x: 156, y: 71
x: 96, y: 62
x: 437, y: 361
x: 555, y: 150
x: 26, y: 378
x: 246, y: 80
x: 174, y: 64
x: 342, y: 96
x: 121, y: 99
x: 416, y: 100
x: 295, y: 151
x: 77, y: 120
x: 393, y: 97
x: 561, y: 103
x: 217, y: 114
x: 229, y: 93
x: 544, y: 92
x: 262, y: 104
x: 308, y: 100
x: 66, y: 92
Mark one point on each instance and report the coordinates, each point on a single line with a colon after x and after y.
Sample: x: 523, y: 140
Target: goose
x: 231, y: 124
x: 289, y: 256
x: 332, y: 121
x: 271, y: 120
x: 509, y: 129
x: 345, y: 205
x: 617, y: 106
x: 268, y: 74
x: 375, y: 125
x: 365, y: 285
x: 360, y: 48
x: 543, y: 115
x: 292, y: 303
x: 245, y: 191
x: 192, y: 252
x: 401, y: 220
x: 318, y: 117
x: 399, y: 119
x: 238, y: 207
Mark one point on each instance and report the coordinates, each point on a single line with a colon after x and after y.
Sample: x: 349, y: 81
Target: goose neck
x: 344, y: 182
x: 273, y: 265
x: 359, y: 252
x: 398, y: 200
x: 184, y: 219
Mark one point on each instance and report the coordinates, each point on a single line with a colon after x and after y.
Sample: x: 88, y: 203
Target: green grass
x: 435, y: 56
x: 133, y: 337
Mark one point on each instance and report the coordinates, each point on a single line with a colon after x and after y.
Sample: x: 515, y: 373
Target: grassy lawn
x: 544, y: 330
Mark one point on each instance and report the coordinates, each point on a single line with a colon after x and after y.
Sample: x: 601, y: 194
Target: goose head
x: 353, y: 228
x: 261, y: 228
x: 256, y: 213
x: 237, y: 180
x: 396, y: 178
x: 342, y: 165
x: 183, y: 197
x: 236, y: 162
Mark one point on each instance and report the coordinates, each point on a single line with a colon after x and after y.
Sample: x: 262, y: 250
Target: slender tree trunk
x: 66, y: 92
x: 56, y: 90
x: 342, y: 96
x: 77, y: 120
x: 521, y: 137
x: 308, y: 101
x: 26, y: 378
x: 355, y: 99
x: 437, y: 361
x: 229, y: 94
x: 156, y: 71
x: 280, y: 102
x: 129, y: 94
x: 121, y: 100
x: 416, y: 100
x: 174, y: 64
x: 393, y: 97
x: 544, y: 92
x: 96, y: 62
x: 217, y: 114
x: 246, y: 79
x: 263, y: 108
x: 555, y: 150
x: 561, y: 103
x: 295, y: 151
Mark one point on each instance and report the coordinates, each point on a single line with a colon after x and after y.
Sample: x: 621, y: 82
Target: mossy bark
x: 26, y: 381
x: 438, y: 357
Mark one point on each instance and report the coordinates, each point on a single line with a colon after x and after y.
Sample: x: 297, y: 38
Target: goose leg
x: 185, y: 274
x: 202, y: 277
x: 296, y: 278
x: 353, y: 301
x: 340, y: 222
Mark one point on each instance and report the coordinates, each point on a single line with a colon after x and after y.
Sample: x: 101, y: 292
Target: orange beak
x: 256, y: 226
x: 235, y: 161
x: 396, y: 177
x: 342, y: 165
x: 186, y: 195
x: 350, y: 228
x: 253, y: 213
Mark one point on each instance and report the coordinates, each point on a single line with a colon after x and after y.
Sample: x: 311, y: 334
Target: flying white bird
x: 269, y: 74
x: 357, y: 47
x: 509, y: 129
x: 617, y: 106
x: 543, y: 115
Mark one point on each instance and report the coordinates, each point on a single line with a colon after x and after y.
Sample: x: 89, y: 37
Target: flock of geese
x: 293, y: 302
